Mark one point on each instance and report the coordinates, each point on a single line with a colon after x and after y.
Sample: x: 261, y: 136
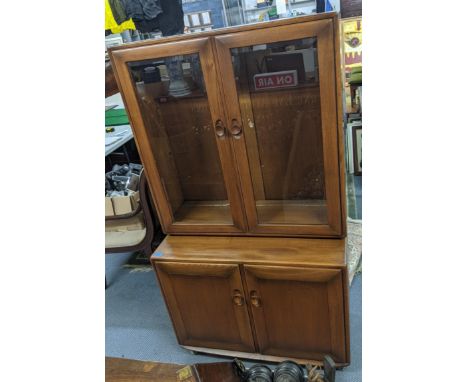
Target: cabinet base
x: 256, y: 356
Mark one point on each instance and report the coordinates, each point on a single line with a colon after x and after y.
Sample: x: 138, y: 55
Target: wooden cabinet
x: 297, y: 312
x: 207, y: 304
x: 240, y: 133
x: 239, y: 129
x: 263, y: 298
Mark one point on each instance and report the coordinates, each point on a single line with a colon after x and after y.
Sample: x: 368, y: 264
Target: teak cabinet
x: 239, y: 129
x: 258, y: 298
x: 240, y: 134
x: 207, y: 305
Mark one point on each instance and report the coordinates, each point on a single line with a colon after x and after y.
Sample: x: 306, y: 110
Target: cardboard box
x: 109, y: 207
x: 122, y: 205
x: 135, y: 198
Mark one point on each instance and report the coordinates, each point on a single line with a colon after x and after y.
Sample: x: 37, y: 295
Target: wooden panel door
x: 283, y: 112
x: 298, y: 312
x: 207, y: 305
x: 175, y: 108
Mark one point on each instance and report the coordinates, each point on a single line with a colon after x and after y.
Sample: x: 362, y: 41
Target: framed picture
x: 357, y: 149
x: 352, y: 129
x: 351, y: 50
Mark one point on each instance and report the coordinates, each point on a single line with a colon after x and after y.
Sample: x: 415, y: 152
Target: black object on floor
x: 286, y: 371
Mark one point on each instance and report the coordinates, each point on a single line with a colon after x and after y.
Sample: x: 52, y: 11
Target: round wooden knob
x: 236, y: 128
x: 255, y: 299
x: 237, y: 298
x: 219, y: 128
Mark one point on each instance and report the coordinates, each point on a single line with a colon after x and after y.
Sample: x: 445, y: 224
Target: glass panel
x: 206, y: 18
x: 174, y: 105
x: 195, y: 19
x: 176, y: 18
x: 279, y: 97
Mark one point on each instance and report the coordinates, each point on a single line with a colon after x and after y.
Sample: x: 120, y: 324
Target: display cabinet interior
x: 184, y: 144
x: 283, y: 130
x: 239, y: 128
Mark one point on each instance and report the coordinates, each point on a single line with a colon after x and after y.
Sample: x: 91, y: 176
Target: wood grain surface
x: 270, y: 296
x: 289, y: 156
x: 206, y: 304
x: 327, y: 106
x: 297, y: 312
x: 253, y: 250
x: 127, y: 370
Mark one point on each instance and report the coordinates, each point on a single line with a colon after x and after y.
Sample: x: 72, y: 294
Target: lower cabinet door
x: 298, y: 312
x: 207, y: 305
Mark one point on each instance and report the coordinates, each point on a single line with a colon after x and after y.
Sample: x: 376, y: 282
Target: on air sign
x: 284, y: 79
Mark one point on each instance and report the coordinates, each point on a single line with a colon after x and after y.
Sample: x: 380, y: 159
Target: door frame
x: 228, y: 271
x: 333, y: 277
x: 202, y: 47
x: 324, y: 31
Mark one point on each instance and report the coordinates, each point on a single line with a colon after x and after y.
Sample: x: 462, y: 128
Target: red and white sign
x: 284, y: 79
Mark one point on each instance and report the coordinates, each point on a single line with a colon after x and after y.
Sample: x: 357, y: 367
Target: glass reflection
x: 279, y: 97
x: 174, y: 106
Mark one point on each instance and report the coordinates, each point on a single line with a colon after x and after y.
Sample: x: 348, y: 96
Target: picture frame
x: 357, y: 149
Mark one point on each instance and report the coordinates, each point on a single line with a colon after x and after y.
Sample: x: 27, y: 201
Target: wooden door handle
x: 236, y: 128
x: 220, y: 130
x: 255, y: 299
x: 238, y: 298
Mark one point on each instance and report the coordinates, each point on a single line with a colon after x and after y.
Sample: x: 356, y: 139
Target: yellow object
x: 112, y: 24
x: 352, y: 42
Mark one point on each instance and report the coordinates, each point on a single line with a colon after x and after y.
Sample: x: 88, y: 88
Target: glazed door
x: 297, y: 312
x: 171, y: 93
x: 207, y: 305
x: 280, y: 91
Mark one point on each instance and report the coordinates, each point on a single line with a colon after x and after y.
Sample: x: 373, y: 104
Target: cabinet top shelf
x: 253, y: 250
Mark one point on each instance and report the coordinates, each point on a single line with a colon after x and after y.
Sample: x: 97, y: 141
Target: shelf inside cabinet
x: 202, y: 212
x: 289, y: 91
x: 292, y: 212
x: 280, y: 174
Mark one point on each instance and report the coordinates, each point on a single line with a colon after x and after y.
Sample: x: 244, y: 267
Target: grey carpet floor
x: 138, y: 325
